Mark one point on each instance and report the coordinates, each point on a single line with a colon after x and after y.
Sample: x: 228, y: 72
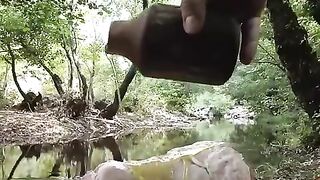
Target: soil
x: 20, y: 128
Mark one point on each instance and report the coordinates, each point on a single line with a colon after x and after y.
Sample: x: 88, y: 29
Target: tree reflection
x: 80, y: 153
x: 27, y: 151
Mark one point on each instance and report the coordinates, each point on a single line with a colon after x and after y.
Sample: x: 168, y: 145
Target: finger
x: 250, y: 38
x: 193, y: 15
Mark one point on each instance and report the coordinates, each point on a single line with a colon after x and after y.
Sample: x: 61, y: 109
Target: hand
x: 248, y: 12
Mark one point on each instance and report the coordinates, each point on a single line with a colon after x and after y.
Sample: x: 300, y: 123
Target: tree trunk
x: 70, y: 70
x: 14, y: 75
x: 5, y: 80
x: 82, y: 80
x: 55, y: 78
x: 92, y: 74
x: 16, y: 164
x: 113, y: 108
x: 315, y: 9
x: 70, y: 65
x: 72, y: 60
x: 301, y: 63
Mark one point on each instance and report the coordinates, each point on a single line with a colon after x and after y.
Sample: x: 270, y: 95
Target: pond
x: 47, y: 161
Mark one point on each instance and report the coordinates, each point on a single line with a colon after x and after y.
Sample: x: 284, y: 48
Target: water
x: 48, y: 161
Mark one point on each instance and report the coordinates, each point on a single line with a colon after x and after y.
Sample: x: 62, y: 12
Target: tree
x: 29, y: 30
x: 315, y: 9
x: 119, y: 94
x: 91, y: 54
x: 301, y: 63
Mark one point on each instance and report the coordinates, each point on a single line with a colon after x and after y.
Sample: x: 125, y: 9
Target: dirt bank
x: 19, y: 128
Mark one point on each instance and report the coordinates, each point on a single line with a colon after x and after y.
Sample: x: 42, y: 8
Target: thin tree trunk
x: 55, y: 78
x: 92, y: 74
x: 70, y: 71
x: 14, y: 75
x: 82, y: 79
x: 70, y: 65
x: 71, y: 58
x: 5, y: 80
x: 113, y: 108
x: 16, y: 164
x: 301, y: 63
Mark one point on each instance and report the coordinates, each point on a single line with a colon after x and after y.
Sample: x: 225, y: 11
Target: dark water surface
x: 49, y: 161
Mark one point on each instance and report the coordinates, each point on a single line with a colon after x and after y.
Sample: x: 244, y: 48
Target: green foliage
x: 304, y: 11
x: 149, y: 94
x: 281, y: 123
x: 105, y: 79
x: 211, y: 98
x: 263, y: 144
x: 174, y: 94
x: 263, y: 84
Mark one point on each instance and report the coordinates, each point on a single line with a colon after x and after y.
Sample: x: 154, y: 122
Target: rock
x: 207, y: 113
x: 111, y: 170
x: 76, y: 107
x: 32, y: 100
x: 205, y: 160
x: 240, y: 115
x: 101, y: 104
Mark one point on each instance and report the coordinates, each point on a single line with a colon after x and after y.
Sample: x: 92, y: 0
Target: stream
x: 73, y: 159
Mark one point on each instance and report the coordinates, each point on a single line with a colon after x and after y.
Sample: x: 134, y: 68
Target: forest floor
x: 20, y: 128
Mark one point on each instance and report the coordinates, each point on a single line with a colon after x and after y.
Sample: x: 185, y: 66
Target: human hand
x: 248, y: 12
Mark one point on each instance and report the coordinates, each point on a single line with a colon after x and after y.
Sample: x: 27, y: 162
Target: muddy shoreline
x: 20, y: 128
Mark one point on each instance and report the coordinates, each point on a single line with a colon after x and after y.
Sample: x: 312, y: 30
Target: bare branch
x: 272, y: 57
x: 7, y: 60
x: 272, y: 63
x: 13, y: 50
x: 268, y: 53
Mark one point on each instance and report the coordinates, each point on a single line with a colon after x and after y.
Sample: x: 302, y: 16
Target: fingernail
x: 191, y: 25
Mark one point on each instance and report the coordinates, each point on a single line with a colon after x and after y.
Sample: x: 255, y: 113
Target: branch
x: 272, y: 63
x: 87, y: 67
x: 29, y: 49
x: 145, y: 4
x: 272, y: 57
x: 5, y: 51
x: 64, y: 46
x: 14, y: 75
x: 6, y: 60
x: 75, y: 42
x: 268, y: 53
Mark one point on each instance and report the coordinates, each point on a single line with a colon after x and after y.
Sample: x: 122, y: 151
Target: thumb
x: 193, y: 15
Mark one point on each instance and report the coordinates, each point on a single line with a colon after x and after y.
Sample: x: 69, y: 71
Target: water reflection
x: 76, y: 157
x: 54, y: 160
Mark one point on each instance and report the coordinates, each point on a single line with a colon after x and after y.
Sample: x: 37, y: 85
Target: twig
x: 272, y: 57
x: 7, y: 61
x: 272, y: 63
x: 266, y: 51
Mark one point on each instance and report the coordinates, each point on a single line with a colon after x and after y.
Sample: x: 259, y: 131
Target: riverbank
x: 19, y: 128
